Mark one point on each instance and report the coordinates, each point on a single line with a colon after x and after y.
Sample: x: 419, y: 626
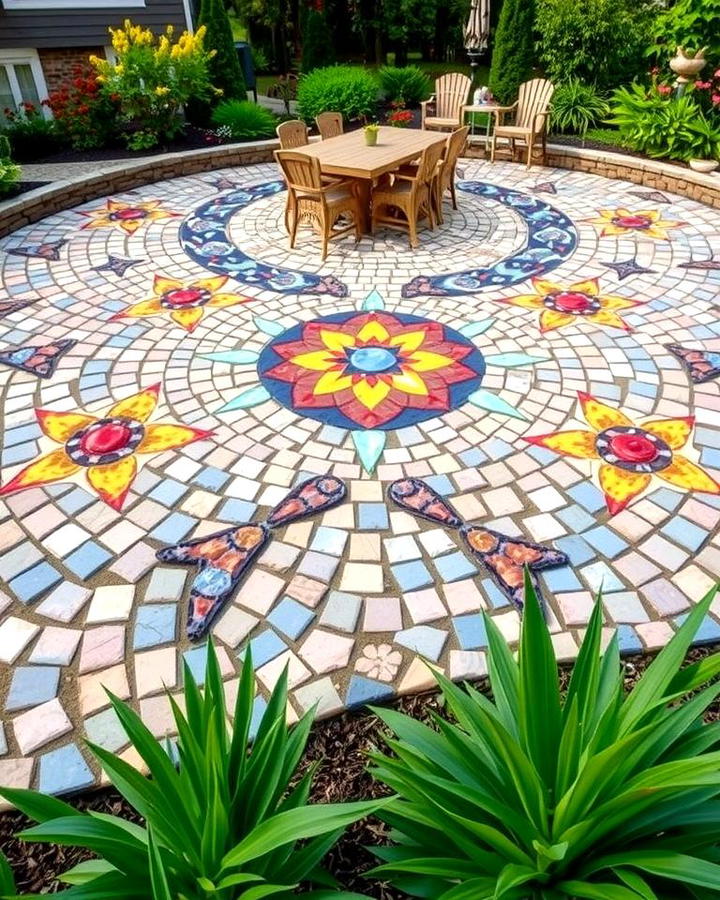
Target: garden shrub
x: 244, y: 120
x: 596, y: 794
x: 225, y: 70
x: 30, y: 134
x: 575, y: 107
x: 345, y: 89
x: 692, y: 24
x: 662, y: 125
x: 317, y: 46
x: 514, y: 49
x: 602, y: 42
x: 9, y: 172
x: 152, y: 79
x: 83, y: 113
x: 408, y: 84
x: 220, y: 818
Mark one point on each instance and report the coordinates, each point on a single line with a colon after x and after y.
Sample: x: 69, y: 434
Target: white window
x: 21, y: 80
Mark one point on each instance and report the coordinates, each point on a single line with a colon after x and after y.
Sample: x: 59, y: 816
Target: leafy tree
x: 692, y: 24
x: 513, y: 51
x: 318, y: 46
x: 225, y: 69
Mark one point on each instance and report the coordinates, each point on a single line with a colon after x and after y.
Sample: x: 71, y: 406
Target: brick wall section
x: 58, y: 196
x: 58, y: 64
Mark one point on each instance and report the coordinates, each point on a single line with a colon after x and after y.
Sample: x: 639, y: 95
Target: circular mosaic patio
x: 342, y: 463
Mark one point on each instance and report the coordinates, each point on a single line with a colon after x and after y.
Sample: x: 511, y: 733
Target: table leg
x: 363, y: 189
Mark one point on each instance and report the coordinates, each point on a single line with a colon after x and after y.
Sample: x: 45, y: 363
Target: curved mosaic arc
x: 204, y: 237
x: 551, y: 239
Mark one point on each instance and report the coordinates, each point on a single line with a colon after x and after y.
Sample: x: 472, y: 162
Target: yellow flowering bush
x: 153, y: 78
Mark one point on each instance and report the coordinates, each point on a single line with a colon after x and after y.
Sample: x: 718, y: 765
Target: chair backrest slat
x: 533, y: 99
x: 454, y: 146
x: 292, y: 134
x: 451, y: 93
x: 429, y: 160
x: 300, y: 171
x: 330, y: 124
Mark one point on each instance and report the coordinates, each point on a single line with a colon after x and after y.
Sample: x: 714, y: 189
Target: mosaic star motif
x: 184, y: 303
x: 648, y: 222
x: 128, y: 217
x: 567, y: 305
x: 105, y: 448
x: 117, y: 265
x: 224, y: 558
x: 629, y: 454
x: 703, y: 365
x: 624, y: 268
x: 40, y: 360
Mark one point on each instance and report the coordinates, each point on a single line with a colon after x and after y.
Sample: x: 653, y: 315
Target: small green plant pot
x: 371, y: 138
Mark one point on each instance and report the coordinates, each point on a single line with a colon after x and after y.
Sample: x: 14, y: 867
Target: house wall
x: 57, y: 64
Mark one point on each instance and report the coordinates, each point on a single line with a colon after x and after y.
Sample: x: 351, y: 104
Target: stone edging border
x: 60, y: 195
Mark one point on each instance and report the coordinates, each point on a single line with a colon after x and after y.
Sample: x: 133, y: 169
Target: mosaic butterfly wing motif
x: 37, y: 360
x: 225, y: 557
x: 11, y: 306
x: 703, y: 365
x: 505, y: 557
x: 222, y: 559
x: 49, y: 250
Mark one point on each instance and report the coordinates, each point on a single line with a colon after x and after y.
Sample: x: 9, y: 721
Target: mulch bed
x: 341, y: 744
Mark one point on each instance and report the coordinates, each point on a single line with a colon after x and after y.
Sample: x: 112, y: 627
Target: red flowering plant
x: 84, y: 114
x: 399, y: 117
x: 707, y: 92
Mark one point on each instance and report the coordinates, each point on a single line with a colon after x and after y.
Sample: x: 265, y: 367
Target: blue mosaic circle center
x: 373, y: 359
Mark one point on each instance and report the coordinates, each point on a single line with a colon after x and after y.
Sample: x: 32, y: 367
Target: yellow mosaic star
x: 564, y: 305
x: 629, y: 454
x: 184, y: 303
x: 622, y: 221
x: 128, y: 217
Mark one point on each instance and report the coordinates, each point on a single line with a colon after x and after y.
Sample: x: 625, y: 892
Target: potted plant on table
x: 371, y: 134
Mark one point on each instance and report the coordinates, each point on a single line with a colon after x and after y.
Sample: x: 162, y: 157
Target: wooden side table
x: 487, y: 108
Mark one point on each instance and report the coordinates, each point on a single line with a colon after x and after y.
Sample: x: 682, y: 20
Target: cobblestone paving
x: 537, y: 383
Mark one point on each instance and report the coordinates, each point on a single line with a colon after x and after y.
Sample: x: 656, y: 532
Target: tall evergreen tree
x: 225, y: 69
x: 514, y: 49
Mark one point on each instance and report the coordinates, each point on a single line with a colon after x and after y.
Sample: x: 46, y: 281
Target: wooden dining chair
x: 292, y: 134
x: 329, y: 124
x: 401, y: 200
x: 451, y: 95
x: 445, y: 177
x: 531, y: 109
x: 312, y: 200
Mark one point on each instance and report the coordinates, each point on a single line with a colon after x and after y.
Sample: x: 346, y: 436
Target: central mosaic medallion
x: 375, y: 370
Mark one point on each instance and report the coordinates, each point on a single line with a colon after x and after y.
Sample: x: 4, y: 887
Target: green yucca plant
x: 223, y: 824
x: 535, y: 796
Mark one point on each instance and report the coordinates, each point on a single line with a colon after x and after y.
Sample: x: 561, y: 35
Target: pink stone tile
x: 101, y: 647
x: 40, y: 725
x: 382, y: 614
x: 306, y: 590
x: 56, y: 646
x: 156, y: 713
x: 576, y: 607
x: 654, y: 634
x: 92, y: 688
x: 324, y: 651
x: 260, y: 591
x: 424, y: 606
x: 135, y: 563
x: 463, y: 597
x: 16, y: 773
x: 155, y: 671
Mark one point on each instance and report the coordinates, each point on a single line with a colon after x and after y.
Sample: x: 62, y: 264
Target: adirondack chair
x: 531, y: 111
x: 451, y: 95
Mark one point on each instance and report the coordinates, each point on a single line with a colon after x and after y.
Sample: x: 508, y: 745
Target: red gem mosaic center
x: 341, y: 464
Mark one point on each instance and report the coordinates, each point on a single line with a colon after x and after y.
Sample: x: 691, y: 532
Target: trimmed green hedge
x: 344, y: 89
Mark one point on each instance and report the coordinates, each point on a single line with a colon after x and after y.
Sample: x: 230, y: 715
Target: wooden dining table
x: 350, y: 157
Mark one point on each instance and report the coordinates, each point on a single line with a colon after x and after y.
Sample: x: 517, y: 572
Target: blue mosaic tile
x: 105, y: 730
x: 21, y: 434
x: 174, y: 528
x: 588, y: 496
x: 196, y: 660
x: 168, y: 492
x: 667, y: 499
x: 606, y: 541
x: 412, y: 575
x: 331, y: 434
x: 75, y: 501
x: 64, y: 770
x: 291, y: 617
x: 496, y: 448
x: 35, y: 582
x: 541, y: 455
x: 18, y: 560
x: 577, y: 549
x: 372, y: 516
x: 32, y: 685
x: 685, y: 533
x: 454, y: 567
x: 441, y: 484
x: 628, y: 640
x: 329, y: 540
x: 212, y: 479
x: 599, y: 576
x: 19, y: 453
x: 561, y: 580
x: 266, y: 646
x: 709, y: 457
x: 408, y: 437
x: 155, y: 625
x: 364, y: 690
x: 239, y: 511
x: 341, y: 611
x: 87, y: 559
x: 707, y: 437
x: 575, y: 518
x: 494, y: 595
x: 258, y: 711
x: 423, y: 639
x: 470, y: 631
x: 707, y: 633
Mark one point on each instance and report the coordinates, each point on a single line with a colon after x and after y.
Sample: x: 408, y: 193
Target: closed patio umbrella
x: 477, y: 30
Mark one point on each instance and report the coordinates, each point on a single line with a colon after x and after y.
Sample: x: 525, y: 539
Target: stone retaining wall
x: 60, y: 195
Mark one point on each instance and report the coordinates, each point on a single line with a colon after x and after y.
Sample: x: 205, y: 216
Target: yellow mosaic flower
x: 622, y: 221
x: 567, y: 305
x: 126, y: 216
